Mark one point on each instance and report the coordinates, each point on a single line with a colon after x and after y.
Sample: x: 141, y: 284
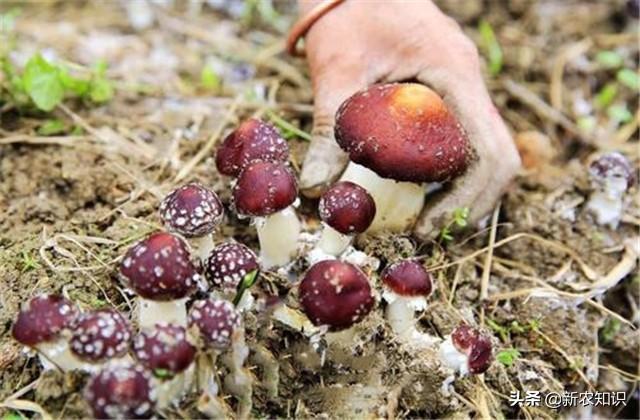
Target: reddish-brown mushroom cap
x: 43, y: 318
x: 192, y: 210
x: 477, y: 347
x: 252, y: 141
x: 264, y: 188
x: 613, y: 165
x: 216, y: 320
x: 121, y: 391
x: 160, y: 268
x: 165, y: 349
x: 347, y: 207
x: 403, y: 131
x: 336, y: 294
x: 407, y: 278
x: 100, y: 335
x: 229, y: 263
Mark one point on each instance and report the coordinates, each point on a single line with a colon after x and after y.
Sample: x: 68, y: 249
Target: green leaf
x: 42, y: 82
x: 502, y: 331
x: 508, y: 356
x: 51, y: 127
x: 287, y: 129
x: 610, y: 330
x: 162, y: 373
x: 619, y: 113
x: 77, y: 86
x: 606, y: 95
x: 209, y: 79
x: 100, y: 90
x: 609, y: 59
x: 491, y: 47
x: 587, y: 123
x: 629, y: 78
x: 247, y: 281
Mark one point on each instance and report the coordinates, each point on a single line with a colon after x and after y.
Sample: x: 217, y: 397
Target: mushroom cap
x: 407, y: 278
x: 336, y: 294
x: 229, y: 263
x: 216, y: 320
x: 164, y: 348
x: 253, y: 140
x: 160, y: 268
x: 100, y: 335
x: 613, y: 165
x: 43, y: 319
x: 121, y: 391
x: 192, y: 210
x: 477, y: 347
x: 264, y: 188
x: 347, y: 207
x: 403, y: 131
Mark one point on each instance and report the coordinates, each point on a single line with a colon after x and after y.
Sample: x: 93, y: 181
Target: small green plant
x: 247, y: 281
x: 629, y: 78
x: 459, y: 219
x: 12, y: 415
x: 209, y: 79
x: 287, y: 129
x: 508, y: 356
x: 505, y: 331
x: 609, y: 59
x: 491, y: 47
x: 51, y: 127
x: 606, y: 95
x: 610, y: 330
x: 28, y: 262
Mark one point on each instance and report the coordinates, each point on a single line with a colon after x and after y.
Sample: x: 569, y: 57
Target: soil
x: 73, y: 203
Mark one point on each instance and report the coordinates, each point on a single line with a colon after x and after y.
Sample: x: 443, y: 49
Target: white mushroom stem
x: 57, y: 355
x: 452, y: 358
x: 278, y: 234
x: 240, y: 382
x: 398, y: 204
x: 333, y: 242
x: 150, y: 312
x: 401, y: 317
x: 202, y: 246
x: 170, y: 392
x: 606, y: 202
x: 209, y: 403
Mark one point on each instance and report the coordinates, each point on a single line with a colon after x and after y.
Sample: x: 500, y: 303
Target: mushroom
x: 228, y: 265
x: 121, y: 391
x: 407, y: 285
x: 100, y: 335
x: 611, y: 176
x: 43, y: 324
x: 466, y: 350
x: 253, y: 140
x: 166, y: 351
x: 346, y: 209
x: 160, y: 271
x: 335, y: 294
x: 194, y: 212
x: 218, y: 325
x: 266, y: 191
x: 400, y: 136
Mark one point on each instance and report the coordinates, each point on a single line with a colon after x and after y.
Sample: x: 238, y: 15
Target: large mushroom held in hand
x: 159, y: 269
x: 399, y: 137
x: 253, y: 140
x: 335, y: 294
x: 194, y: 212
x: 44, y: 324
x: 266, y: 191
x: 346, y: 209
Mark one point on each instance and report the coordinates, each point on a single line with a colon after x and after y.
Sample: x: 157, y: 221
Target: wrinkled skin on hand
x: 359, y: 43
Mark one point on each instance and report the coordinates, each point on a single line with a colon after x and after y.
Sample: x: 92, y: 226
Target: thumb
x: 324, y: 160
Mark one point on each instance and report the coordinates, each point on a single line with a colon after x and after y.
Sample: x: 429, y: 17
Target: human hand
x: 358, y: 44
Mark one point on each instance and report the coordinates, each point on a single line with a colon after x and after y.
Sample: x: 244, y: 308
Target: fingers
x: 334, y: 80
x: 497, y: 160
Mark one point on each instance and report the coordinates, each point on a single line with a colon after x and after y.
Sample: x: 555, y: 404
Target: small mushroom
x: 166, y: 351
x: 253, y: 140
x: 466, y: 350
x: 100, y: 335
x: 400, y: 136
x: 121, y: 391
x: 335, y: 294
x: 346, y: 209
x: 611, y: 176
x: 194, y: 212
x: 43, y: 324
x: 227, y: 265
x: 159, y: 269
x: 266, y: 191
x: 406, y: 286
x: 216, y: 320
